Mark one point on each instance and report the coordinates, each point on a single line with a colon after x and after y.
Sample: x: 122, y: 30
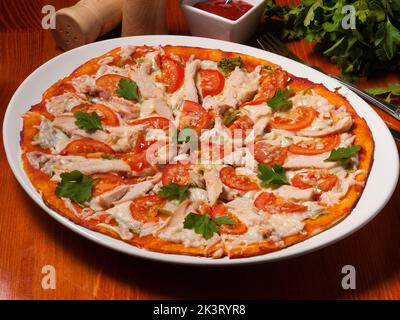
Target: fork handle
x: 380, y: 103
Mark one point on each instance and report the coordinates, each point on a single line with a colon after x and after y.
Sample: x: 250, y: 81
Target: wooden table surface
x: 30, y: 239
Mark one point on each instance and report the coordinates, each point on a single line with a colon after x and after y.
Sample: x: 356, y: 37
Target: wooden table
x: 30, y: 239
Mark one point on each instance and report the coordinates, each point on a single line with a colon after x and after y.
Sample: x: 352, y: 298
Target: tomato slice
x: 142, y: 144
x: 255, y: 102
x: 238, y: 228
x: 173, y: 73
x: 238, y: 182
x: 109, y: 83
x: 145, y: 208
x: 104, y: 182
x: 85, y: 146
x: 153, y: 122
x: 271, y: 82
x: 271, y: 204
x: 176, y: 173
x: 311, y: 179
x: 315, y: 146
x: 107, y: 116
x: 270, y: 155
x: 214, y: 151
x: 137, y: 161
x: 297, y: 119
x: 211, y: 82
x: 240, y: 126
x: 194, y: 116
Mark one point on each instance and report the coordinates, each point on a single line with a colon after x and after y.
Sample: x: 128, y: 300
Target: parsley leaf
x: 202, y: 223
x: 280, y: 101
x: 174, y: 191
x: 229, y: 64
x: 75, y: 186
x: 271, y: 175
x: 393, y: 89
x: 87, y: 121
x: 343, y: 153
x: 230, y: 115
x: 362, y: 48
x: 128, y: 89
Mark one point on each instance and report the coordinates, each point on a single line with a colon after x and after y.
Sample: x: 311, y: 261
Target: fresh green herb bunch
x: 374, y: 44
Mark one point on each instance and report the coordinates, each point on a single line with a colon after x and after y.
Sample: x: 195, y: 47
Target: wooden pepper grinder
x: 86, y: 21
x: 143, y: 17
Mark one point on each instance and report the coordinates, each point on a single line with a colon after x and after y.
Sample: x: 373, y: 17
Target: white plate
x: 378, y: 190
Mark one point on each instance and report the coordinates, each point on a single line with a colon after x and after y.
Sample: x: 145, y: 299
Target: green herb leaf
x: 392, y: 89
x: 202, y: 224
x: 230, y: 115
x: 87, y: 121
x: 369, y: 45
x: 229, y: 64
x: 75, y: 186
x: 343, y: 153
x: 271, y: 176
x: 174, y: 191
x: 128, y: 89
x: 280, y: 101
x: 224, y: 220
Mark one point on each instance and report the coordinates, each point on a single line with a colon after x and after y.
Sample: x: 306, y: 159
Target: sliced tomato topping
x: 270, y: 155
x: 297, y: 119
x: 176, y: 173
x: 142, y: 144
x: 315, y: 146
x: 311, y: 179
x: 194, y: 116
x: 137, y: 161
x: 145, y: 208
x: 240, y: 126
x: 271, y: 204
x: 214, y: 151
x: 238, y: 228
x: 255, y: 102
x: 85, y: 146
x: 271, y: 82
x: 238, y: 182
x: 173, y: 73
x: 109, y: 83
x: 211, y: 82
x: 153, y: 122
x: 107, y: 116
x: 104, y: 182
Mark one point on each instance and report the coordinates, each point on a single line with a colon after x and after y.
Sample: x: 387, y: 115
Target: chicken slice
x: 147, y: 87
x: 214, y: 184
x: 107, y: 199
x: 189, y: 86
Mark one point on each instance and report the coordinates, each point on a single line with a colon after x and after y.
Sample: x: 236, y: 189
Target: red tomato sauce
x: 232, y: 11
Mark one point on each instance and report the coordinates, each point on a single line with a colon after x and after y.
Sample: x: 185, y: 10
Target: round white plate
x: 378, y: 190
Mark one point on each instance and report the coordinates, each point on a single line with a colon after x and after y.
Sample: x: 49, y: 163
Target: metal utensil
x: 270, y: 43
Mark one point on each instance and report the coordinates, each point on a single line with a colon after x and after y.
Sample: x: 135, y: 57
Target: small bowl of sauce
x: 232, y: 10
x: 235, y: 21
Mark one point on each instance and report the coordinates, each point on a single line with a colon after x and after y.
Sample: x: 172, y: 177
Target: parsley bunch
x: 374, y: 44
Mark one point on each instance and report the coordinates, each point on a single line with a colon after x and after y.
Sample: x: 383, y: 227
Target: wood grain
x: 30, y: 239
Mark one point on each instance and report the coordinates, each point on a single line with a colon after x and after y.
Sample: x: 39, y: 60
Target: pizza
x: 195, y: 151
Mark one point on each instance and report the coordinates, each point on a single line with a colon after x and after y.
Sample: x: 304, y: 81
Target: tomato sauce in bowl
x: 232, y: 11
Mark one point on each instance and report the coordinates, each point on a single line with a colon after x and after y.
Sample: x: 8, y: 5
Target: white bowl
x: 209, y: 25
x: 378, y: 190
